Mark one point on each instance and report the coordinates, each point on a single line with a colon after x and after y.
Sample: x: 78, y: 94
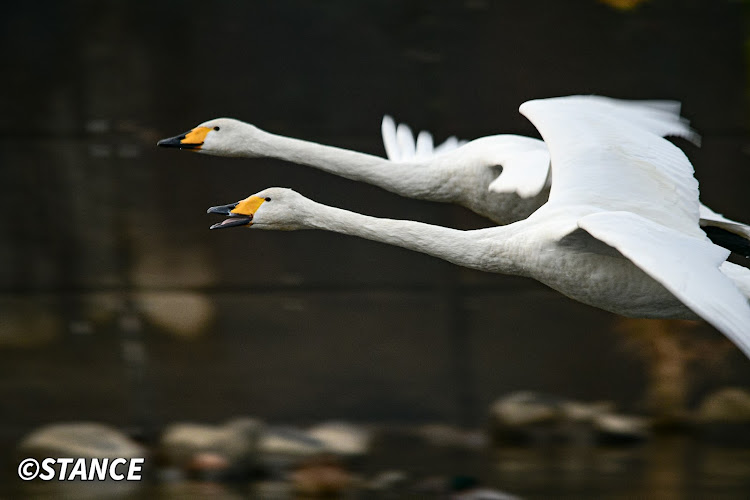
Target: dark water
x: 670, y: 468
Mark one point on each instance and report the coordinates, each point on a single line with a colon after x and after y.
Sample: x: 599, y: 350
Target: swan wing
x: 686, y: 266
x: 711, y: 218
x: 388, y: 131
x: 670, y: 106
x: 400, y: 145
x: 406, y: 144
x: 661, y: 117
x: 449, y: 144
x: 525, y: 163
x: 614, y: 158
x: 424, y: 147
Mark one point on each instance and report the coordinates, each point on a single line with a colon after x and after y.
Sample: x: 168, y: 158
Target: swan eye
x: 268, y: 199
x: 216, y: 128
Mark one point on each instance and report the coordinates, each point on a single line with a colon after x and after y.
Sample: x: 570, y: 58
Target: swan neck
x: 473, y: 249
x: 415, y: 179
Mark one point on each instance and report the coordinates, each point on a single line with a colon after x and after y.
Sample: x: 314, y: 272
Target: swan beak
x: 192, y: 139
x: 240, y: 213
x: 233, y: 220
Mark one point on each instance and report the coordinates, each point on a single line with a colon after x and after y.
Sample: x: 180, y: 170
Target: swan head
x: 220, y: 137
x: 272, y: 208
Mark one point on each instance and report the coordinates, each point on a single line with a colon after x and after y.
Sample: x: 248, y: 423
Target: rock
x: 483, y: 494
x: 208, y: 466
x: 578, y: 412
x: 79, y: 440
x: 610, y: 428
x: 280, y: 447
x: 527, y: 417
x: 469, y: 488
x: 323, y: 476
x: 388, y: 480
x: 526, y: 408
x: 448, y: 435
x: 578, y: 420
x: 524, y: 417
x: 342, y: 438
x: 212, y: 451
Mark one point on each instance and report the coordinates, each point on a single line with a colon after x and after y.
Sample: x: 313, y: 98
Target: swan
x: 620, y: 230
x: 467, y: 174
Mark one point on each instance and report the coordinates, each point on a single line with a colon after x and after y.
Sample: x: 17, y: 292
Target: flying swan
x: 502, y: 177
x: 620, y: 230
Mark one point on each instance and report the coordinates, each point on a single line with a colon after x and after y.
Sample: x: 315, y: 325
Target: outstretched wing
x: 609, y: 156
x: 526, y: 161
x: 400, y: 145
x: 686, y: 266
x: 661, y: 117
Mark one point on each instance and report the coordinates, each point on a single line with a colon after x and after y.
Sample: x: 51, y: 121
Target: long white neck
x: 414, y: 179
x: 474, y: 249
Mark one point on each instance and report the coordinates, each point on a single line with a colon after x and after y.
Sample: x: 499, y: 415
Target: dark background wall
x: 117, y: 304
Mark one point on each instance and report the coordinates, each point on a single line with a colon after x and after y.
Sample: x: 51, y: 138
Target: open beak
x: 234, y: 219
x: 192, y: 139
x: 240, y: 213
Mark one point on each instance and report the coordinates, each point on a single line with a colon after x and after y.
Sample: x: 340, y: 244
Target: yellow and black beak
x: 192, y: 139
x: 240, y: 213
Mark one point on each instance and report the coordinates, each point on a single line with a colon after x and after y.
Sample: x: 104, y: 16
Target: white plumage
x: 620, y: 230
x: 465, y: 173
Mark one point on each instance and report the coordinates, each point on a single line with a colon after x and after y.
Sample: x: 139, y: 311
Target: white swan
x: 469, y: 175
x: 620, y: 230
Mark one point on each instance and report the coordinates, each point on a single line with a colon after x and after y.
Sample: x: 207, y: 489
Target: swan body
x: 620, y: 230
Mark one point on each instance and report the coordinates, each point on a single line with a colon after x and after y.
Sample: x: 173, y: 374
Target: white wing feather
x: 388, y: 131
x: 660, y: 117
x: 424, y: 147
x: 449, y: 144
x: 686, y: 266
x: 711, y: 218
x: 606, y: 157
x: 669, y: 106
x: 400, y: 145
x: 525, y: 163
x: 405, y: 141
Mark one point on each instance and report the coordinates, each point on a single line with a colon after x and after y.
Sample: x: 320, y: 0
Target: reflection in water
x: 670, y: 467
